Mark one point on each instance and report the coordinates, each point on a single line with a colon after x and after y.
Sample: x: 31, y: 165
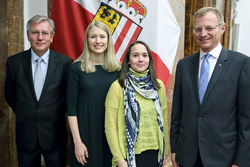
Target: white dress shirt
x: 44, y: 63
x: 215, y: 53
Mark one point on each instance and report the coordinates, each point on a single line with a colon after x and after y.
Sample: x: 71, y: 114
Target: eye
x: 34, y: 32
x: 198, y: 29
x: 145, y: 55
x: 209, y: 28
x: 134, y: 55
x: 92, y: 36
x: 103, y: 36
x: 44, y: 33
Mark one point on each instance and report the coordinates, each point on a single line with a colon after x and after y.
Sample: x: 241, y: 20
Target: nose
x: 140, y: 58
x: 40, y: 35
x: 203, y: 32
x: 98, y: 39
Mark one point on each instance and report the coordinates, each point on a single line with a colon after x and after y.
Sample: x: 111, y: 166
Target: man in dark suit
x: 210, y: 123
x: 36, y: 93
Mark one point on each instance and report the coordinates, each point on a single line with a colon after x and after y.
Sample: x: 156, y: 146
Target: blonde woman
x: 89, y: 80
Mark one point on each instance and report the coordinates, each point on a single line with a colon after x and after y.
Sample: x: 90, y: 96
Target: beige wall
x: 178, y: 7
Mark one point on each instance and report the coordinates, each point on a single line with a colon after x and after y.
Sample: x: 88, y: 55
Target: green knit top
x: 147, y: 138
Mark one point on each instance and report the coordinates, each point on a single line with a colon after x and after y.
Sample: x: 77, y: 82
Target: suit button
x: 200, y: 118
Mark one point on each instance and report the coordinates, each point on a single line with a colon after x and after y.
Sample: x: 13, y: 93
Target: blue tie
x: 204, y: 76
x: 38, y: 79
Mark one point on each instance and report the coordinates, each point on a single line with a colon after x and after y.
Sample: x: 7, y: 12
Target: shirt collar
x: 214, y: 53
x: 45, y: 56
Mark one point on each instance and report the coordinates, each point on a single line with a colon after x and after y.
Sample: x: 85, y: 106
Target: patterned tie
x: 204, y: 76
x: 38, y: 80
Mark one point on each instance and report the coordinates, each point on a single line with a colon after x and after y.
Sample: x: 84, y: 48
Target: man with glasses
x: 35, y: 91
x: 210, y: 123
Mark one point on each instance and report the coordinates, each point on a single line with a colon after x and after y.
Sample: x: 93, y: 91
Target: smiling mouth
x: 98, y: 46
x: 205, y: 40
x: 140, y: 65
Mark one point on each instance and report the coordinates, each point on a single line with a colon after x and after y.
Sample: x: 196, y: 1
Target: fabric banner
x: 151, y: 21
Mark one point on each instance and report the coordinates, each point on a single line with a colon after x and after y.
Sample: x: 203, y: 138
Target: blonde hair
x: 111, y: 63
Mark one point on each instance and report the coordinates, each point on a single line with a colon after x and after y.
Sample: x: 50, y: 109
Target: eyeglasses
x: 37, y: 33
x: 207, y: 28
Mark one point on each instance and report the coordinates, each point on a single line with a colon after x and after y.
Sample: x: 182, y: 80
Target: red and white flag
x: 151, y: 21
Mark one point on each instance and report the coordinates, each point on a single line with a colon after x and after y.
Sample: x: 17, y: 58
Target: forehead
x: 138, y: 48
x: 96, y: 30
x: 40, y: 25
x: 209, y: 18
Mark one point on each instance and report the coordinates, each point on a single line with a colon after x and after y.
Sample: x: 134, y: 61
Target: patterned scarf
x: 141, y: 83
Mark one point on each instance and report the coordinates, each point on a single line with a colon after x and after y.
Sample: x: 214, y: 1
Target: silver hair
x: 202, y: 11
x: 39, y: 19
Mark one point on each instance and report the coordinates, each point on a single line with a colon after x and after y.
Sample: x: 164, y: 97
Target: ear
x: 52, y: 37
x: 223, y: 28
x: 28, y: 36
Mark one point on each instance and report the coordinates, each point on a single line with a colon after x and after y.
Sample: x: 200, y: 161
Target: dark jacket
x: 219, y: 127
x: 40, y: 121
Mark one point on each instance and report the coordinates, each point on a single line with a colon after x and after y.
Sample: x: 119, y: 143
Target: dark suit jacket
x: 220, y: 126
x: 40, y: 121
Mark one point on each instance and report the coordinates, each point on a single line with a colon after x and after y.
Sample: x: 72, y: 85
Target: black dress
x: 86, y: 95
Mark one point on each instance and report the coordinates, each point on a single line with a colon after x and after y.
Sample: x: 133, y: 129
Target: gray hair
x: 39, y: 19
x: 202, y: 11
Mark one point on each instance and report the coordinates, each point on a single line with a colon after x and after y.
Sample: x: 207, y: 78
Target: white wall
x: 32, y: 8
x: 243, y: 10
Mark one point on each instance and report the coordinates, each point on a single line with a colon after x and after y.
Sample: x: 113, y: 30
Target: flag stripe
x: 119, y: 26
x: 70, y: 27
x: 126, y: 41
x: 162, y: 71
x: 122, y: 35
x: 134, y: 37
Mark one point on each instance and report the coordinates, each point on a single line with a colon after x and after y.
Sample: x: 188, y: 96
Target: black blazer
x: 40, y: 121
x: 219, y: 127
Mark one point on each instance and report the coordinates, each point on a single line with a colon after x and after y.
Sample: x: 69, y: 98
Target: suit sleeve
x: 9, y: 86
x: 176, y: 111
x: 243, y: 109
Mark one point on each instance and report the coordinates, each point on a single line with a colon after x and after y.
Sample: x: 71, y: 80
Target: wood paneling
x: 191, y: 7
x: 227, y: 12
x: 11, y: 41
x: 4, y: 110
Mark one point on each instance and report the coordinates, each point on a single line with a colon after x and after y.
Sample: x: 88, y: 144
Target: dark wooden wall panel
x: 11, y: 41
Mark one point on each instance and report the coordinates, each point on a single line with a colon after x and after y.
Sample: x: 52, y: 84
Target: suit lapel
x: 50, y: 71
x: 26, y: 60
x: 219, y: 67
x: 194, y: 74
